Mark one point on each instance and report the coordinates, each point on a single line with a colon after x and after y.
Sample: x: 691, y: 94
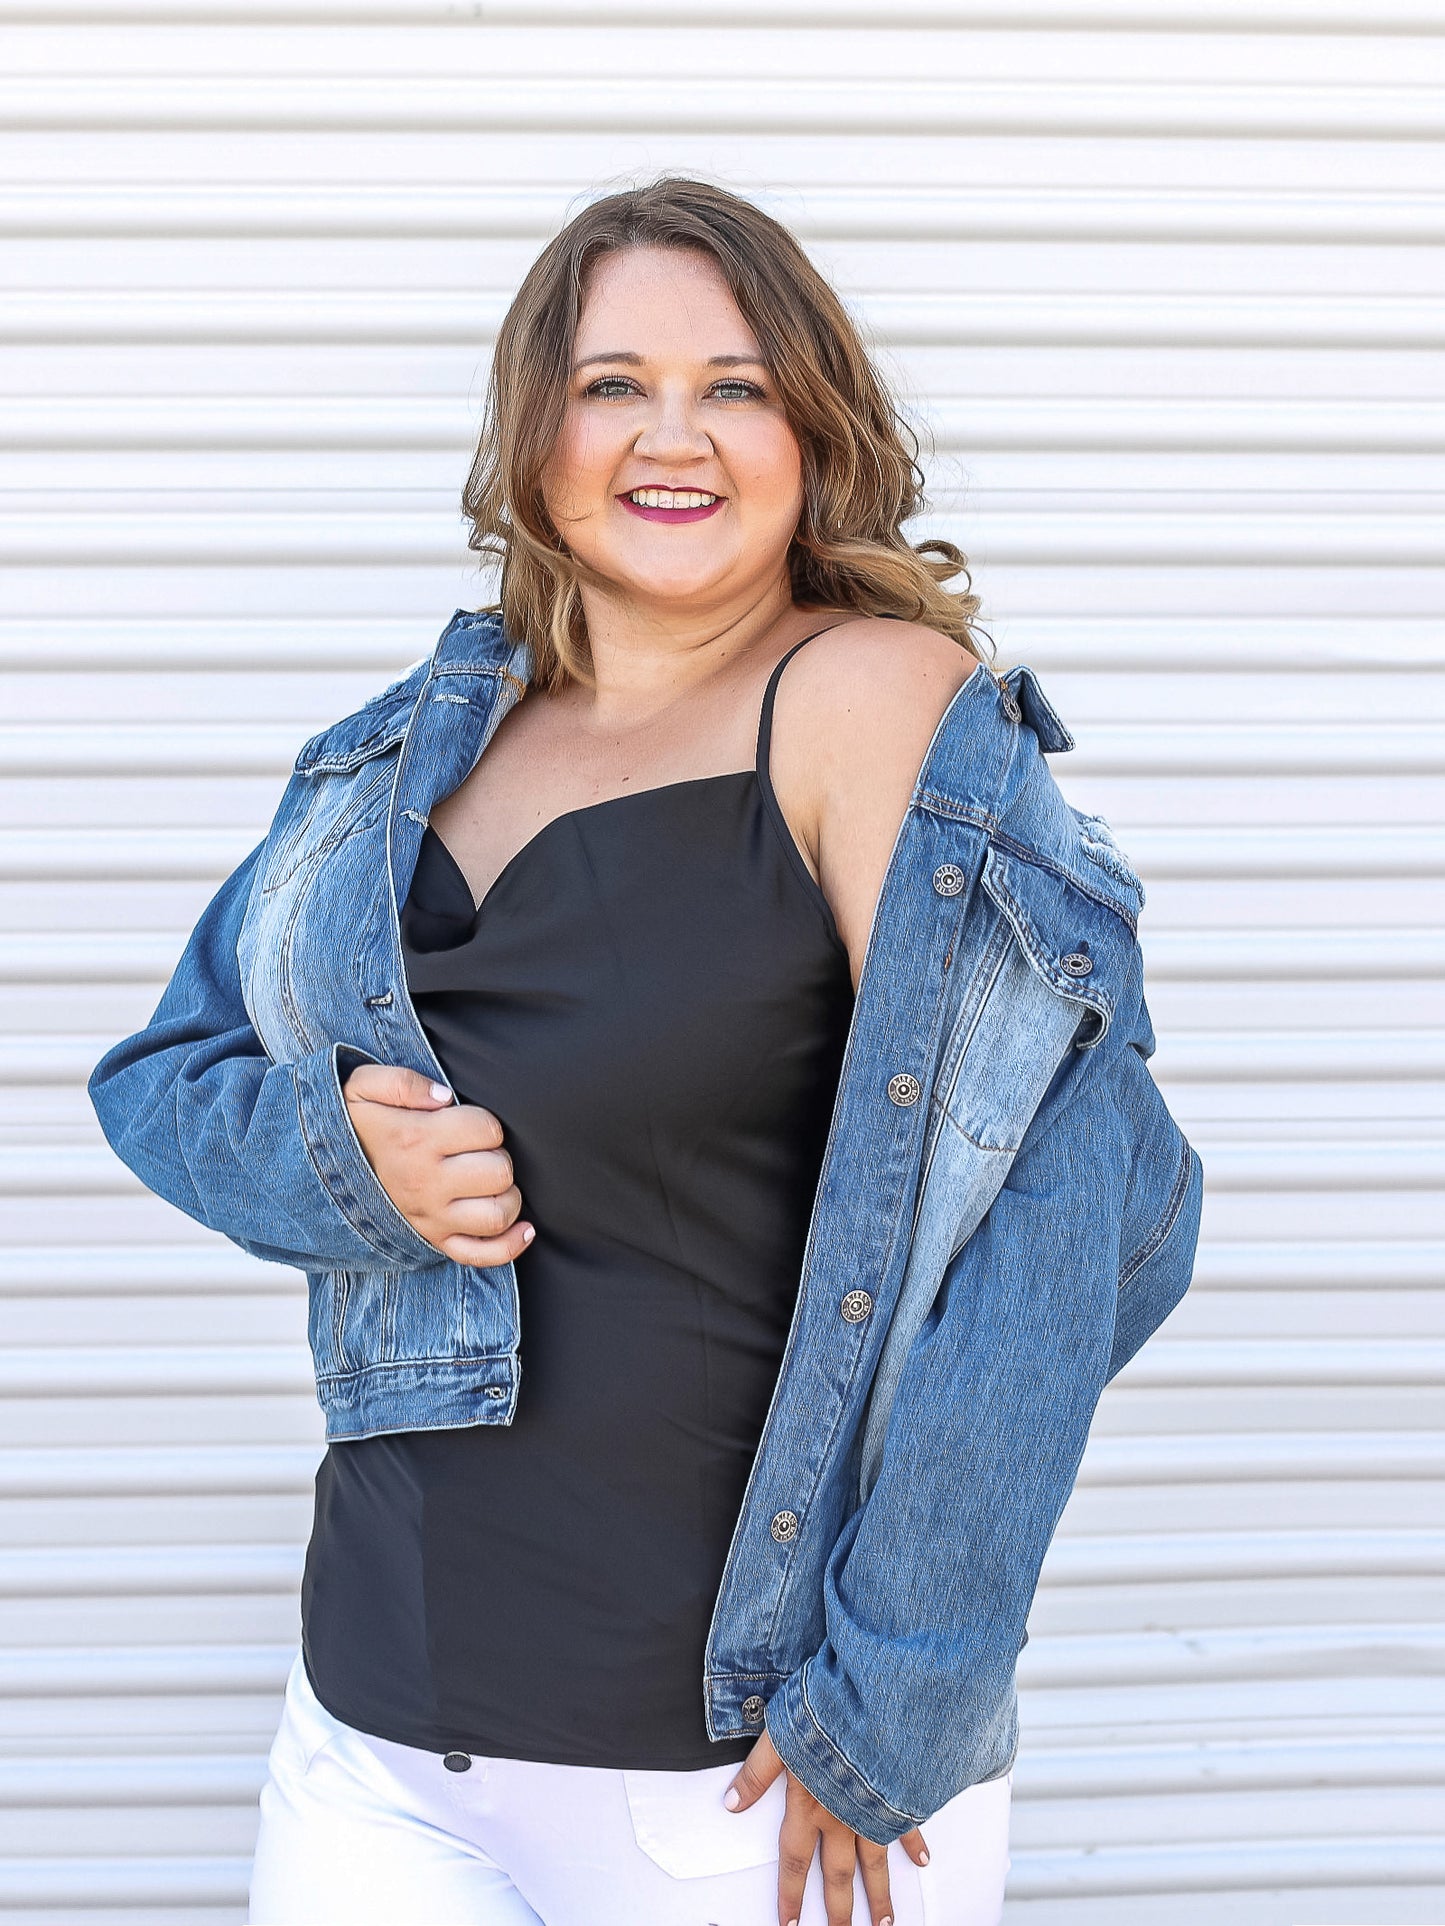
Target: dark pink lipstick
x: 673, y: 514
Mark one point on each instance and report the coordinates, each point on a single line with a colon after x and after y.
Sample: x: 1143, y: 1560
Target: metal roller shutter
x: 1165, y: 283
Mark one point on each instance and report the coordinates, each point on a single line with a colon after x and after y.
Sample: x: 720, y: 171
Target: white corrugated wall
x: 1165, y: 280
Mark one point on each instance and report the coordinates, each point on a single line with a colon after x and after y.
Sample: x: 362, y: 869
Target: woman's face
x: 667, y: 392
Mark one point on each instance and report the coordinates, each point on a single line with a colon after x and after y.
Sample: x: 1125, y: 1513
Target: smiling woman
x: 676, y: 338
x: 710, y: 894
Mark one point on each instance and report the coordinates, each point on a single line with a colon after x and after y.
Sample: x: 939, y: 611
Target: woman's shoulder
x: 870, y: 693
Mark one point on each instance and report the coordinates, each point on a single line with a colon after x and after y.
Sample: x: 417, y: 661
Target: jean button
x: 458, y: 1762
x: 856, y: 1306
x: 948, y: 879
x: 904, y: 1089
x: 1076, y: 963
x: 784, y: 1527
x: 753, y: 1710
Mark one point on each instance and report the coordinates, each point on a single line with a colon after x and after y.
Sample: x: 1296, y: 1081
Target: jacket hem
x: 420, y: 1394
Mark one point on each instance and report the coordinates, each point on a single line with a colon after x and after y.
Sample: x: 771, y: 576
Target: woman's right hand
x: 441, y: 1163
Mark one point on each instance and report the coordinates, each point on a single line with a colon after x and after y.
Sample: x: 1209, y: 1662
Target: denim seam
x: 1099, y: 1001
x: 470, y: 1360
x: 1160, y: 1232
x: 1039, y: 860
x: 908, y: 1818
x: 365, y: 1228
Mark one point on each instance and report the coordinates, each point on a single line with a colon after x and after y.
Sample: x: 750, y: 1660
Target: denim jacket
x: 1005, y: 1211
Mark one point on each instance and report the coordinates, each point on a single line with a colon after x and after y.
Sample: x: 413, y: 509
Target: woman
x: 646, y: 980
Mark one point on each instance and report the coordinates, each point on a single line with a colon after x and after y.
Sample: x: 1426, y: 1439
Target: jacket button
x: 1076, y: 963
x: 458, y: 1762
x: 856, y: 1306
x: 948, y: 879
x: 1010, y: 705
x: 785, y: 1526
x: 904, y: 1089
x: 753, y: 1710
x: 496, y: 1391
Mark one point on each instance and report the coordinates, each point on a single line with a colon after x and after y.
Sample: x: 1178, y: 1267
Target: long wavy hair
x: 861, y: 479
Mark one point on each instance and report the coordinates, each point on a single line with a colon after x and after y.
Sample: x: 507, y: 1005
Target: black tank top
x: 653, y: 998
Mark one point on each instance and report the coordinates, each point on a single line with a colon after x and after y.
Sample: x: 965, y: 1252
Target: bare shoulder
x: 879, y: 686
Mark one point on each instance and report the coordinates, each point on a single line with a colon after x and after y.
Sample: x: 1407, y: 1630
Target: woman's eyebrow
x: 636, y: 360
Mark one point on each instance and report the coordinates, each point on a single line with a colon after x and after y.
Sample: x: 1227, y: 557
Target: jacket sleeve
x: 263, y: 1152
x: 928, y: 1588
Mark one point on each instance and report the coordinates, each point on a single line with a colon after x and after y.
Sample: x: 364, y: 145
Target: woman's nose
x: 671, y: 433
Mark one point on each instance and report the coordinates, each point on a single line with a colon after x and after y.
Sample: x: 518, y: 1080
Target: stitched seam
x: 1097, y: 1000
x: 469, y: 1360
x: 1166, y: 1223
x: 908, y: 1818
x: 1040, y: 861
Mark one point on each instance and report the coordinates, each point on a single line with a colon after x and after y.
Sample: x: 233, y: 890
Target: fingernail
x: 528, y: 1234
x: 440, y: 1090
x: 732, y: 1799
x: 887, y: 1920
x: 923, y: 1855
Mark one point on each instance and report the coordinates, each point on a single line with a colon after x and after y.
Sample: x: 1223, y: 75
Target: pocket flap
x: 1081, y: 948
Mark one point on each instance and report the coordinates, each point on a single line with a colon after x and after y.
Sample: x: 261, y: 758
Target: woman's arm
x: 263, y: 1152
x: 928, y: 1588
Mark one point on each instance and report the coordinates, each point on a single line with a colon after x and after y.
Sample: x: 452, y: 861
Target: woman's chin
x: 683, y: 587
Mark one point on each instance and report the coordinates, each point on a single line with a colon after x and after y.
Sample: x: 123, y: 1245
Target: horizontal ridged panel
x: 1161, y: 287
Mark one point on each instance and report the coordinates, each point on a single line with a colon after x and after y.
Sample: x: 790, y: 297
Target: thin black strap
x: 765, y: 719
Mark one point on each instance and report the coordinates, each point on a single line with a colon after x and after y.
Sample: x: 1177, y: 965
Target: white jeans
x: 357, y: 1831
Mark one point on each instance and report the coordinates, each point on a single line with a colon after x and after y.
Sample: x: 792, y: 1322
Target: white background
x: 1165, y: 283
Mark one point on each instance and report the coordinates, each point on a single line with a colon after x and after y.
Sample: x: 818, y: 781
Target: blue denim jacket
x: 1005, y: 1211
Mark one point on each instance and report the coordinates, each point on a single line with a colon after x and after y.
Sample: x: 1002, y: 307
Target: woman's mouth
x: 672, y: 504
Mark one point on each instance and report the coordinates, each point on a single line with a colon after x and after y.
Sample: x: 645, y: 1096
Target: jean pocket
x: 681, y: 1823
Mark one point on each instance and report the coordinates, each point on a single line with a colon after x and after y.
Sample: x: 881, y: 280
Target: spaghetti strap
x: 765, y: 718
x: 774, y: 808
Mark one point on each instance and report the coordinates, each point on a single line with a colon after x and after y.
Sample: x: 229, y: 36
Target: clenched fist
x: 441, y: 1163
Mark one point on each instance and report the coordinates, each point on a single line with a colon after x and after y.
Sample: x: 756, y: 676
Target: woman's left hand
x: 805, y: 1822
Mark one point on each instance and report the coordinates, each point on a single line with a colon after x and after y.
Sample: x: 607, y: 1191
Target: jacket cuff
x: 342, y: 1164
x: 822, y: 1766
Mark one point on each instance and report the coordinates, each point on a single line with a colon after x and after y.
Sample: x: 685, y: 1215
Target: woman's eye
x: 617, y: 387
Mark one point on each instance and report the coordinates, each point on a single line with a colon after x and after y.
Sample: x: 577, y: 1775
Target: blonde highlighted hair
x: 861, y: 479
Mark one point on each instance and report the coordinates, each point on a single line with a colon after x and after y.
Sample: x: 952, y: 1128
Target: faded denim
x: 1006, y: 1209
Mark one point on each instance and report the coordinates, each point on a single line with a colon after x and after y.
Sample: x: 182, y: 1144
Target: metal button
x: 496, y: 1391
x: 753, y: 1710
x: 1010, y: 706
x: 948, y: 879
x: 1076, y: 963
x: 785, y: 1526
x: 856, y: 1306
x: 458, y: 1762
x: 904, y: 1088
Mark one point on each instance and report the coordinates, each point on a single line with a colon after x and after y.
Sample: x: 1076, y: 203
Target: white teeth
x: 671, y: 498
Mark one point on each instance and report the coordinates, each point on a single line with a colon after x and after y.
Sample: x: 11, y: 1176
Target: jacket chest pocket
x: 1048, y: 978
